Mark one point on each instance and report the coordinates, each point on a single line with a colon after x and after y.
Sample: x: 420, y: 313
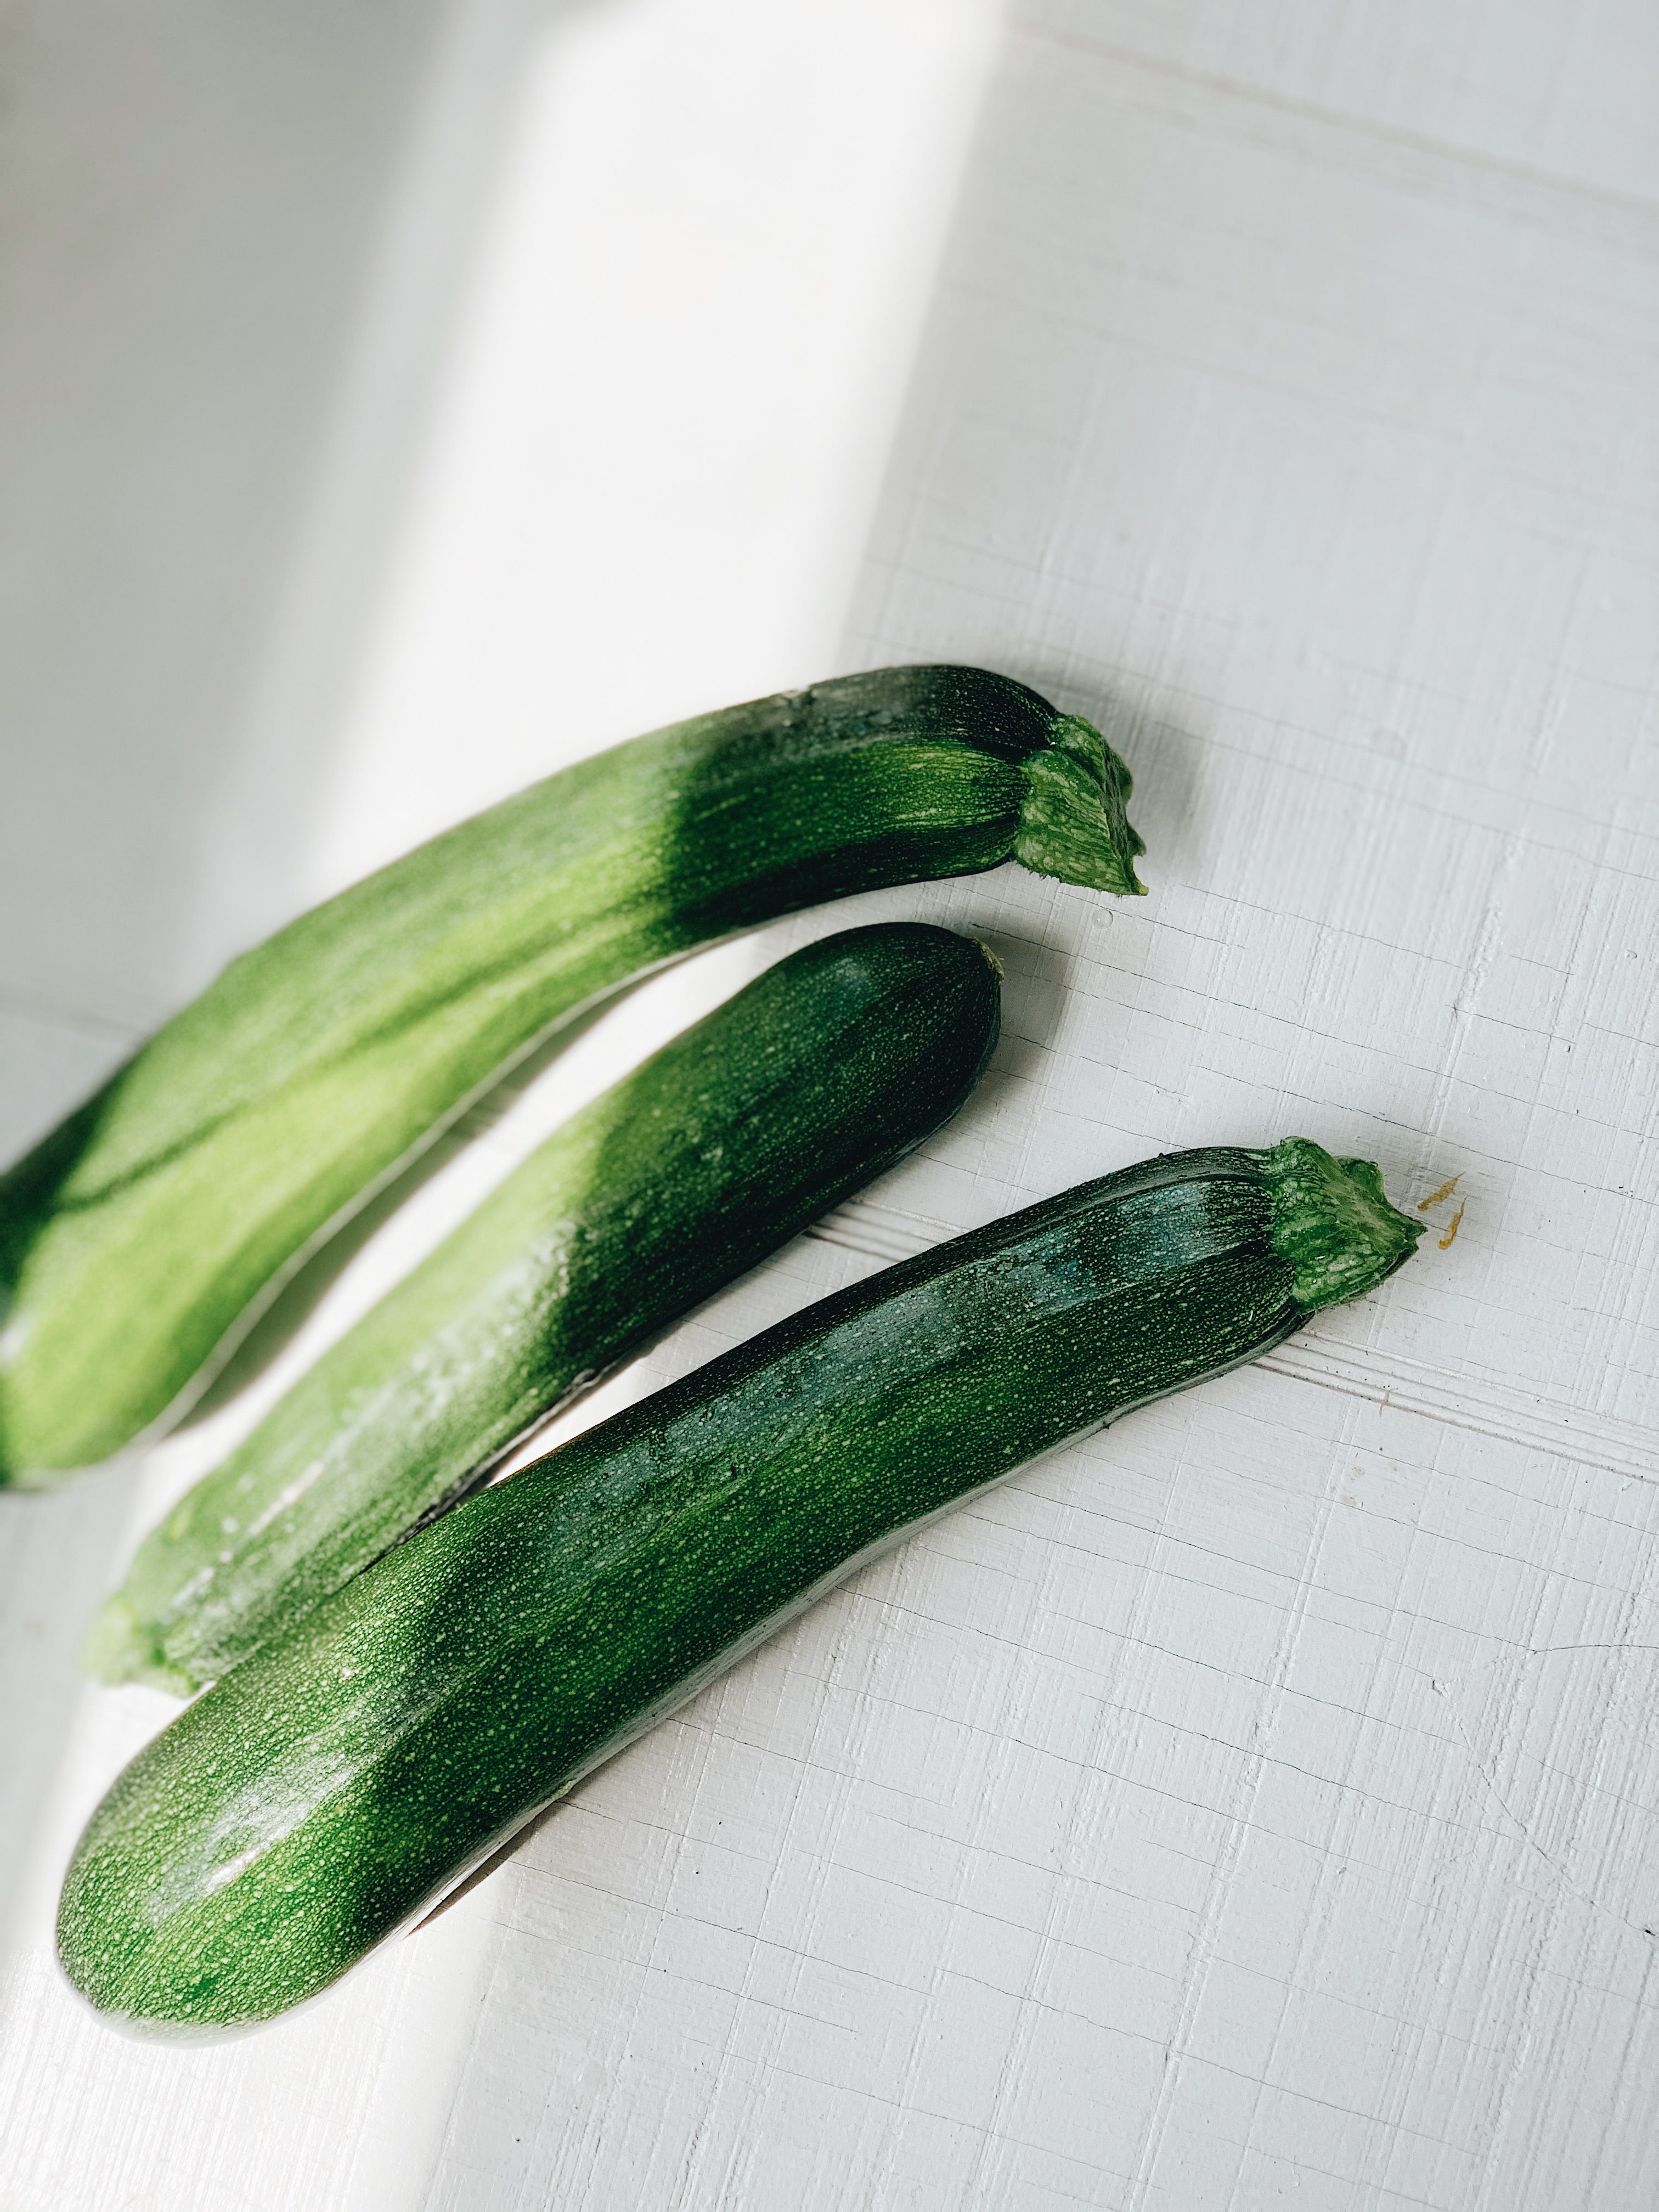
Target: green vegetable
x: 329, y: 1788
x: 135, y: 1240
x: 818, y: 1076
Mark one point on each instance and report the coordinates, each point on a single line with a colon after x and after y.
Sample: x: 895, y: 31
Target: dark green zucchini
x: 818, y: 1076
x: 329, y: 1788
x: 138, y: 1241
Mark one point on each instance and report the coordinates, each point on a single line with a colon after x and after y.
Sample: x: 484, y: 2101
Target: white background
x: 1261, y: 1803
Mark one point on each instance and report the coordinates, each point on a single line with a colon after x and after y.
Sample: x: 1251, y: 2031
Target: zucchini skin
x: 321, y: 1793
x: 137, y: 1239
x: 819, y: 1075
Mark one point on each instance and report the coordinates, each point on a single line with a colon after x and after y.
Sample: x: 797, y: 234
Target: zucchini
x: 351, y: 1770
x: 819, y: 1075
x: 138, y: 1241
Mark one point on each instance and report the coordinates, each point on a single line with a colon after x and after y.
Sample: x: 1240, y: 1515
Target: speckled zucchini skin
x: 135, y: 1240
x: 349, y: 1772
x: 822, y: 1074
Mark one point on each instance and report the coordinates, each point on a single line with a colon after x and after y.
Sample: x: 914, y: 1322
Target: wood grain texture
x: 1256, y: 1807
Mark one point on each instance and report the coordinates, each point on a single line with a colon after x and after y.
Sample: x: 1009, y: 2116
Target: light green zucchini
x: 352, y: 1770
x: 822, y: 1074
x: 138, y: 1240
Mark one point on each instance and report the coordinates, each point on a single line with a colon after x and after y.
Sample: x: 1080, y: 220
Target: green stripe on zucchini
x: 349, y: 1772
x: 822, y: 1074
x: 139, y: 1240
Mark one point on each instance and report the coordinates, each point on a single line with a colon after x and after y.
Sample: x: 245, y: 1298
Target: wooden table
x: 1259, y: 1804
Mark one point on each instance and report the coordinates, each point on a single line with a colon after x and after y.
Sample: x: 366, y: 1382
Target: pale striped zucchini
x: 350, y: 1772
x: 138, y: 1240
x: 822, y: 1074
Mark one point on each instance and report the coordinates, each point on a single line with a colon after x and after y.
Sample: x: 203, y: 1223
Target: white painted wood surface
x: 1259, y: 1804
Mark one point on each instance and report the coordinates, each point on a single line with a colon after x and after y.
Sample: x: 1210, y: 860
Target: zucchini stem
x: 1072, y: 794
x: 1333, y: 1221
